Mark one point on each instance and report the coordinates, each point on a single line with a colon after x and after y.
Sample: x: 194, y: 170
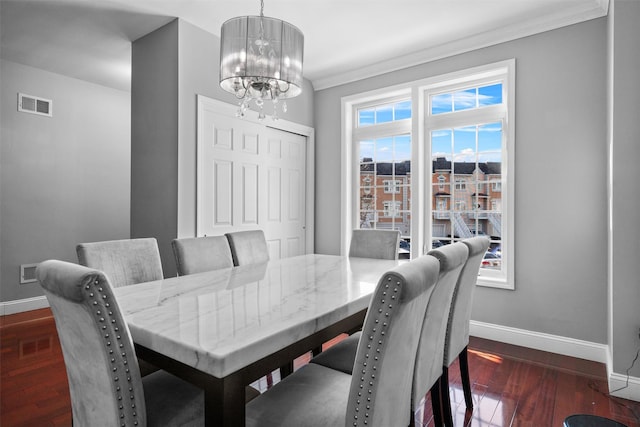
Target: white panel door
x: 251, y: 176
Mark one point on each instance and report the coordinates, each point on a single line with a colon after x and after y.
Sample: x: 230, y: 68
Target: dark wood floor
x: 512, y: 386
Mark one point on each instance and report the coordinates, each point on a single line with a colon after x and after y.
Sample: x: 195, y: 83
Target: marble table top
x: 223, y: 320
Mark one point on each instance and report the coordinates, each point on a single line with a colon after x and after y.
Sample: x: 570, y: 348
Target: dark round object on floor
x: 584, y: 420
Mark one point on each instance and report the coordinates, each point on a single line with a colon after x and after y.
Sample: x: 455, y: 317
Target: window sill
x: 494, y: 282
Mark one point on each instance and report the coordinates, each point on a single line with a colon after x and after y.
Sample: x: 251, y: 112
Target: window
x: 382, y: 146
x: 392, y: 209
x: 391, y: 186
x: 455, y: 133
x: 384, y: 113
x: 466, y: 128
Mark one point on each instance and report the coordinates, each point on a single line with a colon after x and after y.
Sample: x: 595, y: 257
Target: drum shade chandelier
x: 260, y: 60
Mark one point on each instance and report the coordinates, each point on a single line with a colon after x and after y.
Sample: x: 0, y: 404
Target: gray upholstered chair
x: 428, y: 371
x: 379, y: 393
x: 124, y: 262
x: 248, y: 247
x: 104, y: 379
x: 198, y: 254
x: 380, y: 244
x: 432, y: 337
x: 457, y: 338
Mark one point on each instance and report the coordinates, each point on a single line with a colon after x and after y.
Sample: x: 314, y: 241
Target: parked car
x: 491, y: 260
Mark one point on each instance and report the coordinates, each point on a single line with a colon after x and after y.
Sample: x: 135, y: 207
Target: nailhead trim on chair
x: 376, y: 339
x: 105, y: 316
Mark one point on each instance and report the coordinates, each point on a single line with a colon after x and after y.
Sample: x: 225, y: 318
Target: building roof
x: 466, y: 168
x: 440, y: 164
x: 386, y: 168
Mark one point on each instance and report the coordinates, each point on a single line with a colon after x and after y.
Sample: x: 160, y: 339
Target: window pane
x: 490, y: 95
x: 384, y: 150
x: 366, y: 117
x: 464, y: 147
x: 384, y: 114
x: 403, y: 148
x: 366, y: 151
x: 441, y: 143
x: 464, y: 99
x: 466, y: 170
x: 490, y: 142
x: 442, y: 103
x: 385, y: 191
x: 467, y: 99
x: 403, y: 110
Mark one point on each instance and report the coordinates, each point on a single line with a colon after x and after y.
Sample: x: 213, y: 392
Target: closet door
x: 250, y: 176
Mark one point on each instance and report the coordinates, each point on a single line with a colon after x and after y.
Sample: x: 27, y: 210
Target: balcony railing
x: 441, y: 214
x: 478, y: 215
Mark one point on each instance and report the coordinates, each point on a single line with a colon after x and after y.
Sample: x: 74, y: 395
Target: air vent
x: 35, y: 105
x: 28, y: 273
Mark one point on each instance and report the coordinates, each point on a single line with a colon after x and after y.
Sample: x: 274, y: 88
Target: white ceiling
x: 345, y: 40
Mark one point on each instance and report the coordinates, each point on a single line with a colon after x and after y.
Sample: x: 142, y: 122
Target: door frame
x: 229, y: 110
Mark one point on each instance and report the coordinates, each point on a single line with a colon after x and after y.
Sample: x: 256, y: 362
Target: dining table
x: 222, y: 330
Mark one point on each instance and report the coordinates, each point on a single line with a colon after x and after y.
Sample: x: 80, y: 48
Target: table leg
x: 224, y: 401
x: 224, y: 398
x: 286, y: 370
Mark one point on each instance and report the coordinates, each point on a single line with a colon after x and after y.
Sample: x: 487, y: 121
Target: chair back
x: 124, y: 262
x: 248, y: 247
x: 379, y: 244
x: 380, y: 390
x: 198, y: 254
x: 457, y: 337
x: 102, y: 368
x: 428, y: 368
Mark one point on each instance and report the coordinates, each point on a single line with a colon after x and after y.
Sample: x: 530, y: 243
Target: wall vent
x: 35, y: 105
x: 28, y: 273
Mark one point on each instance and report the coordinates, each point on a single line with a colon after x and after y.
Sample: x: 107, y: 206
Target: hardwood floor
x: 512, y: 386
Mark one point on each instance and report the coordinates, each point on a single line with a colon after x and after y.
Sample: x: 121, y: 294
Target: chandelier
x: 261, y: 60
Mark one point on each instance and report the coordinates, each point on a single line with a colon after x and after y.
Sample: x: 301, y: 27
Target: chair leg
x: 316, y: 351
x: 445, y: 399
x: 464, y: 374
x: 436, y: 403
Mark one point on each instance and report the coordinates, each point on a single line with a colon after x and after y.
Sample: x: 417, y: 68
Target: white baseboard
x: 541, y: 341
x: 618, y: 383
x: 27, y: 304
x: 620, y: 388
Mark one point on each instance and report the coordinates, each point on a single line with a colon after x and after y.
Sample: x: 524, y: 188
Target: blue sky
x: 480, y: 143
x: 459, y: 144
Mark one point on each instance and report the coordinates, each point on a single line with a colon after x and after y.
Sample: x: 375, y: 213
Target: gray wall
x: 170, y: 67
x: 154, y: 139
x: 63, y: 179
x: 560, y: 176
x: 625, y: 137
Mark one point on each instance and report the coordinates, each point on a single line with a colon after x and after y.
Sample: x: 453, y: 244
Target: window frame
x: 500, y: 72
x: 418, y: 126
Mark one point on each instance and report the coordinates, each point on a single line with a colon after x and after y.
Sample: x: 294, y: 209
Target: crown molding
x: 579, y: 13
